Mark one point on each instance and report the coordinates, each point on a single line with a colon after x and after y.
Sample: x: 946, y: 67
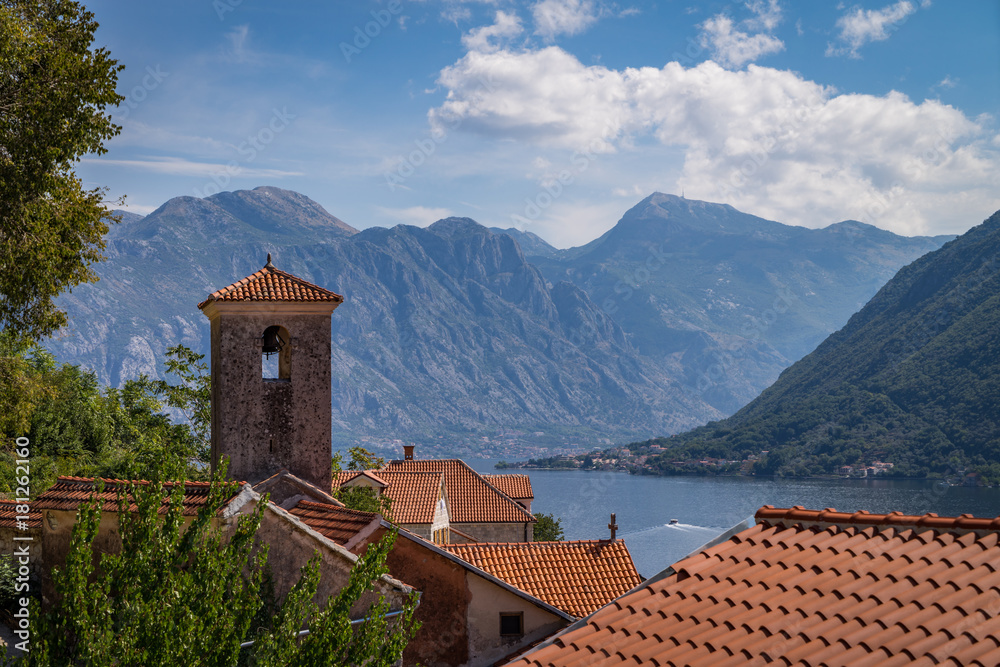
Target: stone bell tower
x: 271, y: 376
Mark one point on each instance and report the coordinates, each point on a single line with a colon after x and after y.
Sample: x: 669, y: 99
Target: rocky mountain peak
x: 455, y: 228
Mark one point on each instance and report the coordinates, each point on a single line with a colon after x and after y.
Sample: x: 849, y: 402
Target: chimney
x: 613, y: 526
x: 408, y: 452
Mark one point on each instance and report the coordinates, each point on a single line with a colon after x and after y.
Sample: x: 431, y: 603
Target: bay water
x: 706, y: 507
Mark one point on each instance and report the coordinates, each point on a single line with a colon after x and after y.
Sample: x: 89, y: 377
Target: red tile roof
x: 809, y: 588
x: 517, y: 487
x: 68, y: 493
x: 578, y: 577
x: 271, y: 284
x: 413, y: 496
x: 340, y: 524
x: 471, y: 499
x: 9, y: 514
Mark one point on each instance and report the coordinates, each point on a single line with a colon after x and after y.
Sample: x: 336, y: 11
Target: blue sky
x: 556, y: 116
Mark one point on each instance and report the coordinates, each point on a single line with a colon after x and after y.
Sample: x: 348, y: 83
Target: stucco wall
x: 57, y: 532
x: 454, y: 600
x: 292, y: 544
x: 495, y: 532
x: 488, y: 601
x: 443, y: 638
x: 265, y: 425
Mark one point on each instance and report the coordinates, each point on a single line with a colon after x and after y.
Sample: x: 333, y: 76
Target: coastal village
x: 635, y: 460
x: 797, y: 586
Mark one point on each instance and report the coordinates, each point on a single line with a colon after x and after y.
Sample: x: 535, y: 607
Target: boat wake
x: 688, y: 527
x: 673, y: 525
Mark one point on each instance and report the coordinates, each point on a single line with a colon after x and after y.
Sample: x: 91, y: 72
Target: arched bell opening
x: 276, y: 354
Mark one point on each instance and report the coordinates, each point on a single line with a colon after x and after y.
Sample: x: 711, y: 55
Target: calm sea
x: 707, y: 506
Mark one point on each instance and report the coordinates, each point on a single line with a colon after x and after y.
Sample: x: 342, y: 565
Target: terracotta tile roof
x: 340, y: 524
x: 517, y: 487
x: 68, y: 493
x: 471, y: 499
x: 413, y: 495
x: 9, y: 514
x: 271, y: 284
x: 577, y: 577
x: 809, y: 588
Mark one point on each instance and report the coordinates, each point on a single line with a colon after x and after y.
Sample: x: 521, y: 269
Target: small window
x: 511, y: 624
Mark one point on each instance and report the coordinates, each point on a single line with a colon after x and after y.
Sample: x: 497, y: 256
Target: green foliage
x: 548, y: 528
x: 361, y: 497
x: 912, y: 379
x: 179, y: 595
x: 365, y: 499
x: 379, y: 641
x: 78, y: 427
x: 361, y: 459
x: 193, y: 396
x: 53, y: 91
x: 8, y: 581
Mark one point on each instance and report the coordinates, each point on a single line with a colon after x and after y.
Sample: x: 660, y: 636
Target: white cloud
x: 545, y: 96
x: 731, y: 47
x: 764, y: 140
x: 862, y: 26
x: 766, y: 15
x: 139, y: 209
x: 421, y: 216
x: 946, y: 82
x: 505, y: 26
x: 567, y: 223
x: 632, y: 192
x: 181, y: 167
x: 239, y: 49
x: 558, y: 17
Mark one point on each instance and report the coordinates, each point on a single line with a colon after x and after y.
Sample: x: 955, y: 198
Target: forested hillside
x: 912, y: 379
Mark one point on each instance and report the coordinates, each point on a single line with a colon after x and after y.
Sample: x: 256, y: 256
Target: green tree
x: 76, y: 426
x: 361, y: 459
x: 361, y: 498
x: 548, y: 528
x: 193, y: 396
x: 54, y: 89
x: 189, y: 596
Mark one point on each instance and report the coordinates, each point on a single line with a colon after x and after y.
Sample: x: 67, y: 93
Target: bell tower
x: 271, y: 376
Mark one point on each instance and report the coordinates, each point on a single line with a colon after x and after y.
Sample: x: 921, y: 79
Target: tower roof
x: 271, y: 284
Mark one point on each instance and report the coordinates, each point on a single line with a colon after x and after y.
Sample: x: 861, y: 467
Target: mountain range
x: 474, y: 340
x: 913, y: 379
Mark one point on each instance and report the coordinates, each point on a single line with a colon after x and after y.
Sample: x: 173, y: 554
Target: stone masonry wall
x: 263, y: 425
